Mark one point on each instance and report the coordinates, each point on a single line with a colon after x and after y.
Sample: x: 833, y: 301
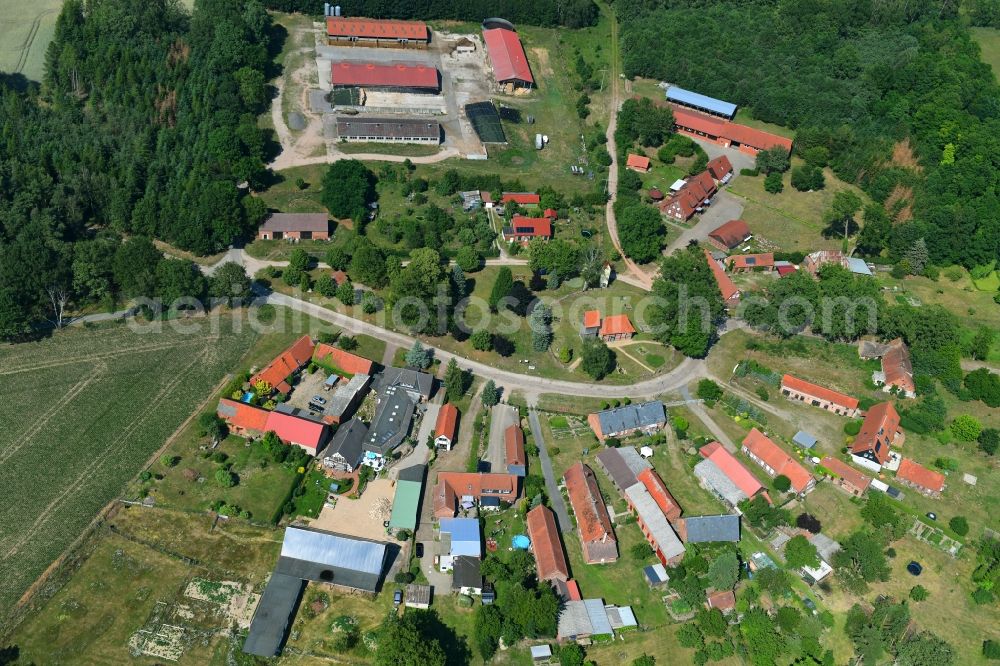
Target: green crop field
x: 83, y: 411
x: 26, y: 28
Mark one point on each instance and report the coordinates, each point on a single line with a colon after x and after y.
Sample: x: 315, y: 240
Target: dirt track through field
x: 50, y: 511
x: 36, y: 427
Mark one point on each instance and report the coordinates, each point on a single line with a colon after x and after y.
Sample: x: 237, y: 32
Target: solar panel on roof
x: 751, y: 261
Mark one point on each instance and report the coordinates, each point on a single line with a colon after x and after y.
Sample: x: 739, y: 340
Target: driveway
x: 501, y: 417
x: 555, y: 497
x: 699, y: 410
x: 725, y: 207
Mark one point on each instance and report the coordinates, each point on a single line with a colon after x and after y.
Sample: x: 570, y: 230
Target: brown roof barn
x: 593, y: 522
x: 547, y: 544
x: 729, y: 235
x: 295, y: 226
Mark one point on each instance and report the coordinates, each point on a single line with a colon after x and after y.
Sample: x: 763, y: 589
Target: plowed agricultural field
x: 80, y: 414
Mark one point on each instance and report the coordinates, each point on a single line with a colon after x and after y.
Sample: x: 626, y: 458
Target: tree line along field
x: 84, y: 410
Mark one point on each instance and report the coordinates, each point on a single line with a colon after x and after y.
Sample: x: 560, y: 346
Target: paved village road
x: 689, y: 369
x: 555, y: 497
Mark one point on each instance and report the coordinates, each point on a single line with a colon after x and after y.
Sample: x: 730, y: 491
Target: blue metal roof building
x: 464, y: 536
x: 701, y: 102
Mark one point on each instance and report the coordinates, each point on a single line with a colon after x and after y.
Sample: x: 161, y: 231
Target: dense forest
x: 869, y: 82
x: 570, y: 13
x: 145, y: 126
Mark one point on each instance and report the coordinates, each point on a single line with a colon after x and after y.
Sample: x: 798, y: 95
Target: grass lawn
x: 989, y: 45
x: 989, y: 283
x: 124, y: 578
x: 103, y: 401
x: 791, y: 220
x: 744, y: 117
x: 409, y: 150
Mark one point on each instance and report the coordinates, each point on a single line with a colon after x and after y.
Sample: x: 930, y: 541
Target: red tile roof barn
x: 720, y: 167
x: 592, y: 518
x: 278, y: 370
x: 375, y: 75
x: 294, y: 430
x: 703, y: 184
x: 846, y: 472
x: 447, y: 421
x: 760, y: 446
x: 640, y: 162
x: 241, y: 416
x: 732, y: 468
x: 351, y: 364
x: 919, y: 476
x: 785, y: 270
x: 658, y: 491
x: 513, y: 438
x: 878, y: 430
x: 546, y: 544
x: 717, y: 127
x: 819, y: 392
x: 730, y: 234
x: 365, y: 28
x: 507, y: 55
x: 617, y: 325
x: 523, y: 198
x: 726, y: 286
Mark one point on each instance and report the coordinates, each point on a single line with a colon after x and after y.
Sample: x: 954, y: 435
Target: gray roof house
x: 626, y: 420
x: 708, y: 529
x: 347, y: 446
x: 466, y: 576
x: 310, y: 555
x: 622, y: 465
x: 392, y: 421
x: 418, y: 384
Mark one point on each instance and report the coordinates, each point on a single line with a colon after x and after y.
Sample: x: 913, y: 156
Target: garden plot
x: 235, y: 600
x: 158, y: 638
x: 564, y: 427
x: 935, y: 537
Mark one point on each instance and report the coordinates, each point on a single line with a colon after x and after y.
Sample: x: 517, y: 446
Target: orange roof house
x: 446, y: 426
x: 819, y: 396
x: 350, y: 364
x: 879, y: 431
x: 729, y: 235
x: 524, y: 229
x: 745, y: 263
x: 616, y: 327
x: 690, y: 198
x: 596, y: 535
x: 658, y: 491
x: 724, y: 600
x: 730, y: 293
x: 514, y: 456
x: 285, y: 365
x: 847, y: 478
x: 242, y: 419
x: 455, y: 490
x: 546, y: 544
x: 774, y: 460
x: 637, y: 162
x: 720, y: 168
x: 521, y: 198
x: 920, y: 478
x: 303, y: 433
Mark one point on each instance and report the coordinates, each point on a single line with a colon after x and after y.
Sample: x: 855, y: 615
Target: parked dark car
x: 397, y: 597
x: 420, y: 549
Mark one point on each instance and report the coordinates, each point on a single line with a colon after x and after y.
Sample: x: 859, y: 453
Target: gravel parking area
x: 354, y: 517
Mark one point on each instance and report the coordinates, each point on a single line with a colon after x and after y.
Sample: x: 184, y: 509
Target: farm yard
x: 89, y: 408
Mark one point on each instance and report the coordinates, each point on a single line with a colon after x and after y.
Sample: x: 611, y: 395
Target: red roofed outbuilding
x: 303, y: 433
x: 510, y: 64
x: 747, y: 263
x: 616, y: 327
x: 356, y: 31
x: 730, y: 293
x: 729, y: 235
x: 920, y: 478
x: 776, y: 461
x: 638, y: 163
x: 720, y: 168
x: 847, y: 478
x: 277, y: 372
x: 819, y: 396
x: 726, y: 133
x: 380, y: 76
x: 514, y: 456
x: 546, y: 544
x: 658, y: 491
x: 522, y: 198
x: 242, y: 419
x: 348, y: 363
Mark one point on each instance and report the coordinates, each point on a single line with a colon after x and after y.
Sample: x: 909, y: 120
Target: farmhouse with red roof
x: 243, y: 419
x: 775, y: 461
x: 594, y: 524
x: 879, y: 431
x: 720, y: 168
x: 819, y: 396
x: 616, y: 327
x: 524, y: 229
x: 345, y: 362
x: 846, y: 477
x: 747, y: 263
x: 446, y: 426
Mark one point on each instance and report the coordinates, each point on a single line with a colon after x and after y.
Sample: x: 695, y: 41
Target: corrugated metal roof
x: 598, y: 617
x: 690, y: 98
x: 404, y: 505
x: 656, y: 523
x: 620, y: 616
x: 333, y: 550
x: 464, y: 536
x: 710, y: 473
x: 858, y: 266
x: 804, y: 439
x: 273, y: 616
